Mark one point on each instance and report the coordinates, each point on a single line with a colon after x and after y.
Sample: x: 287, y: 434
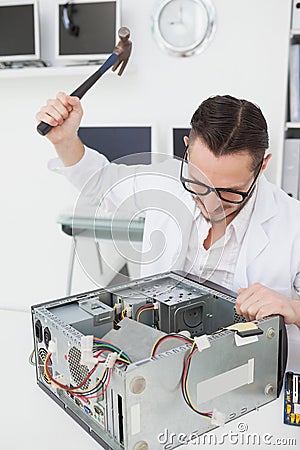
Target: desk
x: 103, y: 228
x: 98, y: 229
x: 30, y: 420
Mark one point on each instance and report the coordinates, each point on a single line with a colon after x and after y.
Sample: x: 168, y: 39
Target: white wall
x: 247, y: 58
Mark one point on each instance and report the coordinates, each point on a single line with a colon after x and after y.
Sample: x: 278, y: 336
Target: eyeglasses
x: 202, y: 189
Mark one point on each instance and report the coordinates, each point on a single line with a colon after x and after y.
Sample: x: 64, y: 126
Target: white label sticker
x: 225, y: 382
x: 135, y: 419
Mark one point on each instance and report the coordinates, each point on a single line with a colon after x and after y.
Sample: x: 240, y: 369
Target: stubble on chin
x: 229, y: 213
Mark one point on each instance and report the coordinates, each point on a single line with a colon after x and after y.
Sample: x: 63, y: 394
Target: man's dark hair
x: 229, y: 125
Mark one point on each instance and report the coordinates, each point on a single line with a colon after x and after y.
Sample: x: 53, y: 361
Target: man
x: 214, y: 214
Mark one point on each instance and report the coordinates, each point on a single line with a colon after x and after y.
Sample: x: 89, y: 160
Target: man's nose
x: 212, y: 202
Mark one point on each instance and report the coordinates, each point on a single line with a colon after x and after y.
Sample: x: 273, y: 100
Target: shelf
x: 93, y: 223
x: 295, y: 36
x: 295, y: 31
x: 28, y: 72
x: 103, y: 228
x: 293, y: 125
x: 292, y: 130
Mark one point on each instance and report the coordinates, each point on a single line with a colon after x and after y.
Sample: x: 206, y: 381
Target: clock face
x: 184, y: 27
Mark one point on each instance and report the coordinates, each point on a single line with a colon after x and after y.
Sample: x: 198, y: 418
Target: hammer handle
x: 44, y: 128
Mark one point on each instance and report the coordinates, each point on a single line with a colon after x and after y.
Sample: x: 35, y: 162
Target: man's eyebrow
x: 238, y: 187
x: 235, y: 188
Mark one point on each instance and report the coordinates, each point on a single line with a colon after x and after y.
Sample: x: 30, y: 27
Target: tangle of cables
x: 101, y: 349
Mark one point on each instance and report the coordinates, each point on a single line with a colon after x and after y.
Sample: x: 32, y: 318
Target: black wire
x: 183, y: 386
x: 97, y: 388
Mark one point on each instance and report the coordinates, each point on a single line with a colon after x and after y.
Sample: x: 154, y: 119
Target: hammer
x: 119, y: 56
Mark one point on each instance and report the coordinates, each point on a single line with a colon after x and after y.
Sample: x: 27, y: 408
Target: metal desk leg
x: 71, y: 266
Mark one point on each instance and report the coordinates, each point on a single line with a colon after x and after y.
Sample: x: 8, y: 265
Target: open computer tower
x: 161, y: 353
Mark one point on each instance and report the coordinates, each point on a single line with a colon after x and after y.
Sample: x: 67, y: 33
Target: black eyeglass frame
x: 217, y: 191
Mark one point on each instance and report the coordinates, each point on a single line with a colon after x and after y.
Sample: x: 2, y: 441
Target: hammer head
x: 122, y: 49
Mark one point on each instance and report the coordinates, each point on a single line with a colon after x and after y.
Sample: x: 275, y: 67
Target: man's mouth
x: 220, y: 213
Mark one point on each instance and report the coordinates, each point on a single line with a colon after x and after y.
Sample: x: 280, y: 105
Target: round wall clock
x: 184, y: 27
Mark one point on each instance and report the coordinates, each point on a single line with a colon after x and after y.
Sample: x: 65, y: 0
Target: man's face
x: 228, y: 171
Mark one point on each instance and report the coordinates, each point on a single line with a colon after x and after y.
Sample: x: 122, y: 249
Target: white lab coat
x: 270, y: 251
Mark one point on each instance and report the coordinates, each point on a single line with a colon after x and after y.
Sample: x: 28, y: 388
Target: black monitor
x: 117, y: 143
x: 178, y: 144
x: 86, y: 29
x: 19, y: 31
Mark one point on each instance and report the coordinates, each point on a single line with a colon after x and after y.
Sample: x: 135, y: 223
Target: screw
x: 270, y: 333
x: 138, y: 385
x: 269, y: 389
x: 142, y: 445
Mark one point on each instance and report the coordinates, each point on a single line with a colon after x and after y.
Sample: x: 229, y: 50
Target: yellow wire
x: 155, y: 343
x: 146, y: 309
x: 45, y: 374
x: 187, y: 388
x: 82, y: 391
x: 175, y: 337
x: 31, y: 358
x: 123, y: 360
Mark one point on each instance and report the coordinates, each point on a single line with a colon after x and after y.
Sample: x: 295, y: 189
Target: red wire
x: 185, y: 366
x: 78, y: 394
x: 98, y: 354
x: 63, y: 385
x: 170, y: 336
x: 48, y: 373
x: 105, y: 342
x: 102, y: 392
x: 103, y: 360
x: 183, y: 378
x: 143, y: 308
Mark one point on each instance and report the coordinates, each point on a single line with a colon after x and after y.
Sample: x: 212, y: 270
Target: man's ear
x: 266, y: 161
x: 186, y: 140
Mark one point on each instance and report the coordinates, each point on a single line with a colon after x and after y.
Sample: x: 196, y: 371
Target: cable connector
x: 87, y: 357
x: 185, y: 333
x: 87, y: 343
x: 62, y: 379
x: 110, y: 360
x: 52, y: 348
x: 118, y: 308
x: 155, y: 305
x: 202, y: 342
x: 129, y: 311
x: 218, y: 418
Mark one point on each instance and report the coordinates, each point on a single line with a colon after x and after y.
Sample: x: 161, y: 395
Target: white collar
x: 241, y: 221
